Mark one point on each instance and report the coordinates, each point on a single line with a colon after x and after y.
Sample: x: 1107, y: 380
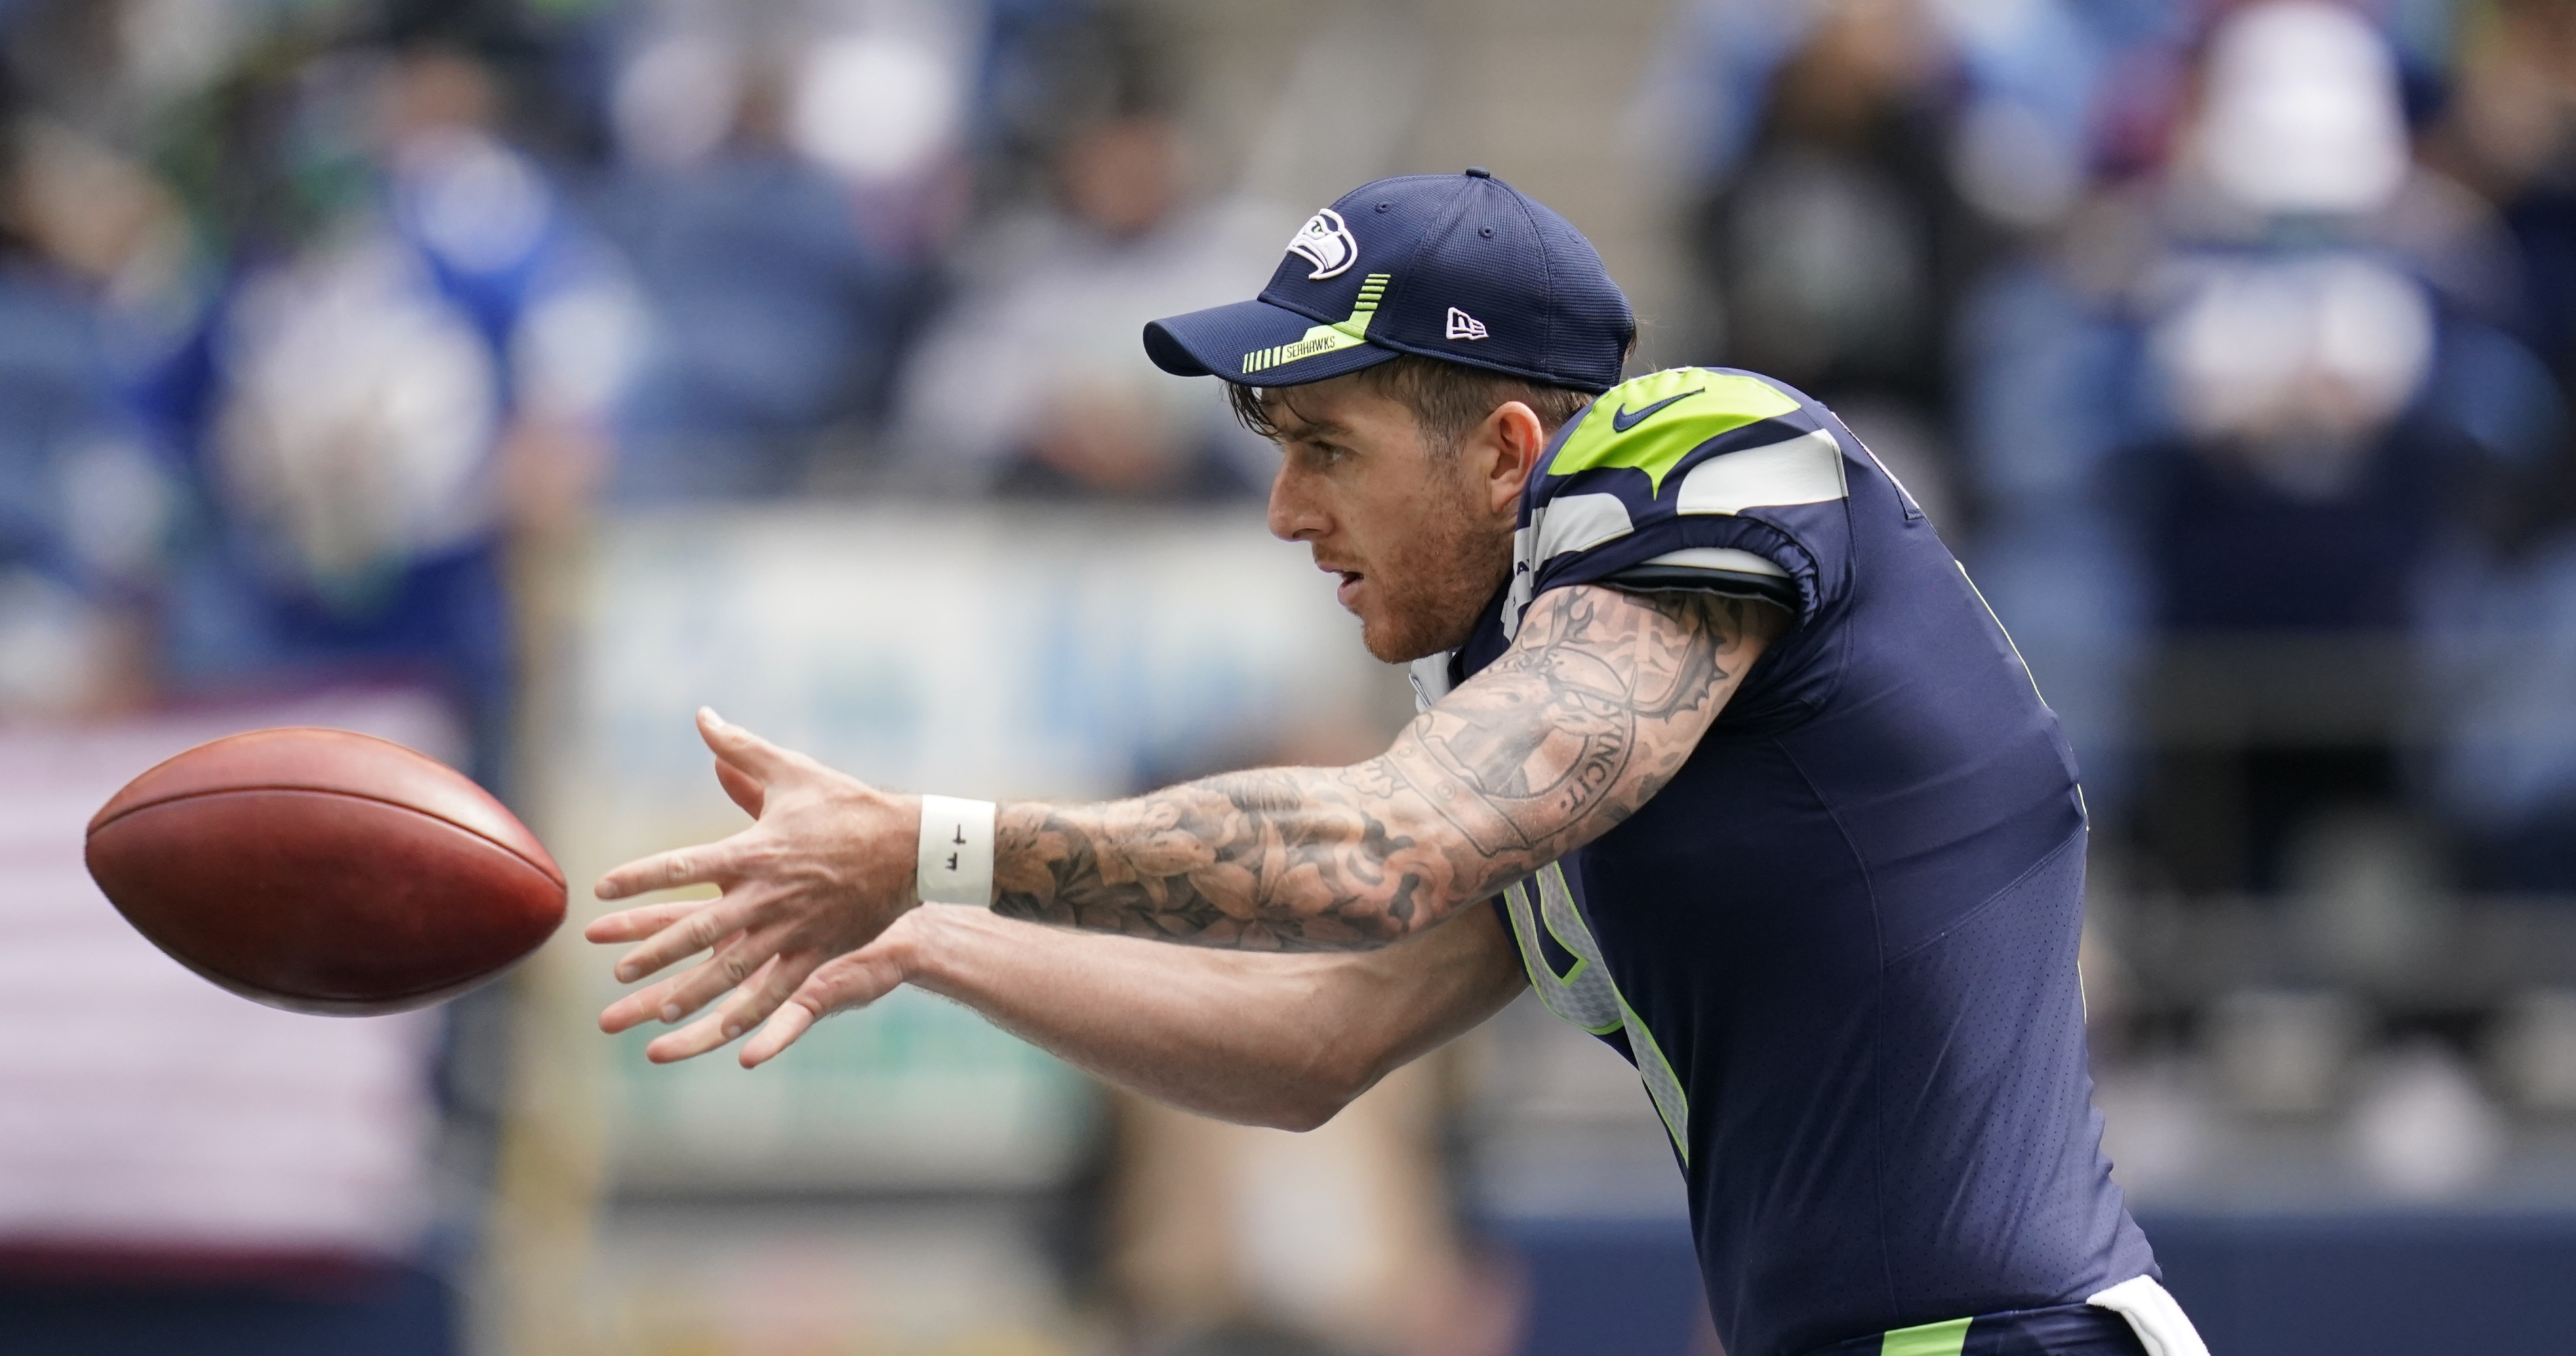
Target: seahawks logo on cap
x: 1326, y: 243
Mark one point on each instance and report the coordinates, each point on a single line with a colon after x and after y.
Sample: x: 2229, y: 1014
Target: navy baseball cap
x: 1460, y: 267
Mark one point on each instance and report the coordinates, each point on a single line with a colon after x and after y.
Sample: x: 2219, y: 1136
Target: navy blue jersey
x: 1840, y: 945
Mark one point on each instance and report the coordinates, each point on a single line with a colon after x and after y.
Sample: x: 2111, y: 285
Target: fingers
x: 717, y: 1027
x: 745, y: 764
x: 789, y: 993
x: 755, y: 756
x: 741, y: 787
x: 636, y: 924
x: 731, y: 967
x: 631, y: 1011
x: 759, y: 996
x: 644, y: 1005
x: 852, y: 981
x: 712, y: 922
x: 705, y: 864
x: 781, y: 1031
x: 627, y: 1013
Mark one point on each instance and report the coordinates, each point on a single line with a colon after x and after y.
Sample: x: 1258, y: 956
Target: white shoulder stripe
x: 1579, y: 522
x: 1719, y: 558
x: 1803, y: 470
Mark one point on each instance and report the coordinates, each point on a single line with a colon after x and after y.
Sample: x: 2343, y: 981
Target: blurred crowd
x: 2227, y: 339
x: 2197, y: 323
x: 2188, y: 320
x: 2230, y: 344
x: 313, y: 314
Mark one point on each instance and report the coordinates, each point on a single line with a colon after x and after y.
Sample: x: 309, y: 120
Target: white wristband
x: 956, y: 863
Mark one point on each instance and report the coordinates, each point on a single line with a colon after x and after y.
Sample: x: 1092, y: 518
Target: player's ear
x: 1514, y: 441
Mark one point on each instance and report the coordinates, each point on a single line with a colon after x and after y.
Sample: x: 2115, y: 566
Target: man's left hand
x: 829, y: 864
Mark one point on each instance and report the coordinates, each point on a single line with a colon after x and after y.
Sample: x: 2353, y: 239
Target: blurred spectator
x: 788, y: 173
x: 82, y: 504
x: 1861, y: 164
x: 2508, y: 130
x: 1033, y: 384
x: 2500, y: 610
x: 414, y: 352
x: 2250, y: 394
x: 1837, y: 241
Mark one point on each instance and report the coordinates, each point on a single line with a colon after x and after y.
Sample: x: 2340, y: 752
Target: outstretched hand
x: 852, y: 980
x: 827, y: 866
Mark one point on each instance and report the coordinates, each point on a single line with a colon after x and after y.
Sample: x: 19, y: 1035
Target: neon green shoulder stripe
x: 1667, y: 414
x: 1931, y: 1339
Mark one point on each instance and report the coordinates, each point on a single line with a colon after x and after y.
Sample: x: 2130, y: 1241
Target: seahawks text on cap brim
x: 1257, y: 344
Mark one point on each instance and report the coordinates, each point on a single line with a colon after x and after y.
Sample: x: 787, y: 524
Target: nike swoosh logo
x: 1621, y: 421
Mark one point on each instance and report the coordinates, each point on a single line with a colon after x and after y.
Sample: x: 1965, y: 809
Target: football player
x: 1720, y: 752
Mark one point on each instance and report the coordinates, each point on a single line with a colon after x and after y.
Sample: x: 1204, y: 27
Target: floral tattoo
x: 1599, y: 701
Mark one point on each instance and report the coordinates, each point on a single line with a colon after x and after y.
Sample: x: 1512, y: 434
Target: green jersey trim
x: 1655, y: 421
x: 1930, y: 1339
x: 1586, y: 996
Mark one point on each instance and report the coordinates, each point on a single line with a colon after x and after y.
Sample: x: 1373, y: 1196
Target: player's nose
x: 1295, y: 512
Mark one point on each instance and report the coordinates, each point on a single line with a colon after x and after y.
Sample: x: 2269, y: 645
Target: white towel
x: 2159, y: 1322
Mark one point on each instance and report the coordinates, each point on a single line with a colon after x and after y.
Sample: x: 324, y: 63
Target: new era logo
x: 1464, y: 326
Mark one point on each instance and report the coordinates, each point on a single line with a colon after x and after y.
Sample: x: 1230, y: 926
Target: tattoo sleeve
x: 1599, y: 701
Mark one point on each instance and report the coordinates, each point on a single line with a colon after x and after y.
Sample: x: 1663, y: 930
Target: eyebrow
x: 1308, y: 430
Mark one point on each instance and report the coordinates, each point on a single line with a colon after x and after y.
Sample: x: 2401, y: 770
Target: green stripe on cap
x: 1324, y: 339
x: 1931, y: 1339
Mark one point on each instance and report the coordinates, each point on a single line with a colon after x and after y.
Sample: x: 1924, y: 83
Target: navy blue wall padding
x: 410, y: 1313
x: 2394, y: 1283
x: 2377, y: 1284
x: 1629, y: 1286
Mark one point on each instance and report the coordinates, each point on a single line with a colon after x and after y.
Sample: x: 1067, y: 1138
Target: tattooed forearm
x: 1600, y: 700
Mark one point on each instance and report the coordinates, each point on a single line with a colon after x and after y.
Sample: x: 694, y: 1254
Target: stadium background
x: 509, y: 378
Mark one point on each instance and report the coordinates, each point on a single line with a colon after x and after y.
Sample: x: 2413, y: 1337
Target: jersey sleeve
x: 1693, y: 478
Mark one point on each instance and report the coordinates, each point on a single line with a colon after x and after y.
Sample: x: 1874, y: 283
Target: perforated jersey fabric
x: 1840, y: 944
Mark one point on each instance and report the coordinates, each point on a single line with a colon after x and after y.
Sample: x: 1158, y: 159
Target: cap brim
x: 1253, y: 343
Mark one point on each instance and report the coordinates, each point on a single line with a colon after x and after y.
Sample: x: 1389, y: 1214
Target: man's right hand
x: 828, y: 865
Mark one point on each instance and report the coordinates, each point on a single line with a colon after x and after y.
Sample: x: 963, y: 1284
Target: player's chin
x: 1373, y: 636
x: 1389, y: 639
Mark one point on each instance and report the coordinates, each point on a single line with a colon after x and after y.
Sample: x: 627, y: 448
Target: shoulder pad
x: 1653, y: 423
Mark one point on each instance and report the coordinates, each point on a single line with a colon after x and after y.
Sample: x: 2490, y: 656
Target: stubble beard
x: 1451, y: 569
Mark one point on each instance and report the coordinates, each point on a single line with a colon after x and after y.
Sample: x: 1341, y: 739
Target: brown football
x: 324, y: 871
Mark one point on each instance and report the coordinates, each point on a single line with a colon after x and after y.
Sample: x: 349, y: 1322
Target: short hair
x: 1448, y: 400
